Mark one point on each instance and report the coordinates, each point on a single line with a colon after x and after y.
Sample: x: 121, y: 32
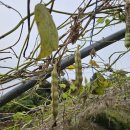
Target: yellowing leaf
x: 47, y: 31
x: 71, y: 67
x: 93, y: 63
x: 62, y: 85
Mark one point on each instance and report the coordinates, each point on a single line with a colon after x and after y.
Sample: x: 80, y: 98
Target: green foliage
x: 65, y: 95
x: 100, y: 20
x: 72, y: 87
x: 98, y: 91
x: 22, y: 117
x: 99, y: 84
x: 62, y: 86
x: 114, y: 119
x: 13, y: 128
x: 119, y: 78
x: 104, y: 20
x: 122, y: 17
x: 78, y: 24
x: 26, y: 101
x: 107, y: 21
x: 22, y: 105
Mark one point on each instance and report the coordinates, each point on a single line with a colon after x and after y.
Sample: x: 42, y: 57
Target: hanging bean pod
x: 54, y: 92
x: 127, y: 39
x: 78, y: 69
x: 127, y: 33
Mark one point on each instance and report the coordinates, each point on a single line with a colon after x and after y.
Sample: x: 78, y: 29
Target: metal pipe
x: 64, y: 63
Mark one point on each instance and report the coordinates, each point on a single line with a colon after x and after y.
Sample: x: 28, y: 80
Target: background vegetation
x: 61, y: 103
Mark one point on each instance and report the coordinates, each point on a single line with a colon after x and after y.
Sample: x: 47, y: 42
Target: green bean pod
x: 127, y: 20
x: 127, y: 40
x: 54, y: 92
x: 78, y: 69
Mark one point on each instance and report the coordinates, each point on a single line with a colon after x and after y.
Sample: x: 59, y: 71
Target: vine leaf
x: 47, y: 31
x: 62, y: 86
x: 100, y: 20
x: 93, y: 63
x: 100, y: 84
x: 98, y: 91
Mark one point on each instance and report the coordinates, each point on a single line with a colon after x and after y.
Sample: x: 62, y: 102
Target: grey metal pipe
x: 97, y: 46
x: 64, y: 63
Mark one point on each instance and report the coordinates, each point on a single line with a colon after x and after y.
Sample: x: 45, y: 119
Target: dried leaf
x: 93, y: 63
x: 71, y: 67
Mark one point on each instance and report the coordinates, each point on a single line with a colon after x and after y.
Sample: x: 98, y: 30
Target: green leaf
x: 27, y: 118
x: 18, y: 115
x: 98, y: 91
x: 100, y: 84
x: 72, y: 87
x: 107, y: 21
x: 101, y: 81
x: 122, y: 17
x: 62, y: 85
x: 100, y: 20
x: 47, y: 31
x: 64, y: 95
